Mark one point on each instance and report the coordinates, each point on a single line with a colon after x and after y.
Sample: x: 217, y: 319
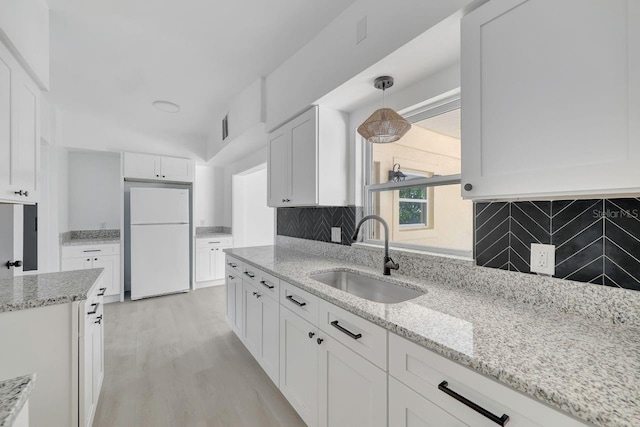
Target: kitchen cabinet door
x: 141, y: 166
x: 304, y: 159
x: 176, y: 169
x: 218, y: 264
x: 270, y: 338
x: 299, y: 365
x: 69, y: 264
x: 408, y: 409
x: 87, y: 359
x: 5, y: 125
x: 203, y: 264
x: 352, y: 390
x: 279, y: 167
x: 111, y: 265
x: 98, y: 354
x: 251, y: 319
x: 230, y: 287
x: 553, y: 109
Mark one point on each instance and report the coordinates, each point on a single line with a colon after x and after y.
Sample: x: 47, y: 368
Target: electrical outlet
x: 336, y: 234
x: 103, y: 226
x: 543, y: 259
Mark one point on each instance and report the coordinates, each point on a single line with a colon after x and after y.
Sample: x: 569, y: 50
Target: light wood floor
x: 173, y: 361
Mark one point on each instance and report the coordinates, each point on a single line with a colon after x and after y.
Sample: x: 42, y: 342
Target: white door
x: 353, y: 391
x: 237, y: 321
x: 159, y: 206
x: 279, y: 170
x: 218, y: 264
x: 203, y: 264
x: 111, y: 265
x: 159, y: 259
x: 304, y: 159
x: 551, y: 109
x: 252, y: 319
x: 230, y: 287
x: 270, y: 338
x: 408, y: 409
x: 5, y: 126
x: 70, y: 264
x: 143, y: 166
x: 175, y: 169
x: 299, y: 365
x: 97, y: 354
x: 24, y: 151
x: 87, y: 404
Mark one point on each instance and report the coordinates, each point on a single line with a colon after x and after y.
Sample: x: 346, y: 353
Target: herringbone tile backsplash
x: 316, y: 223
x: 597, y: 240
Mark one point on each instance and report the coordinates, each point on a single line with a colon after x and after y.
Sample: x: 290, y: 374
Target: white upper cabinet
x: 308, y: 160
x: 551, y: 98
x: 19, y: 132
x: 157, y: 168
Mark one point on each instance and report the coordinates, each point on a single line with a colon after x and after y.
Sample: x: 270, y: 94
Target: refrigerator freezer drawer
x: 159, y: 205
x: 159, y: 259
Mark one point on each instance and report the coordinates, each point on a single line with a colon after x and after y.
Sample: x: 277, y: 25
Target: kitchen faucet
x: 389, y: 264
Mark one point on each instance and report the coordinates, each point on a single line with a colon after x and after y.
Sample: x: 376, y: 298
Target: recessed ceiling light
x: 167, y: 106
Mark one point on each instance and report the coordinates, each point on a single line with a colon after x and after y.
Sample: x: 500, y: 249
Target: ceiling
x: 114, y: 58
x: 448, y: 123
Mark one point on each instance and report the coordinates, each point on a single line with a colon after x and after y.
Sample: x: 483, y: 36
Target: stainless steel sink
x: 366, y: 287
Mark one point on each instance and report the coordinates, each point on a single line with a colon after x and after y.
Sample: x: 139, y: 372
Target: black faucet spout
x: 388, y: 263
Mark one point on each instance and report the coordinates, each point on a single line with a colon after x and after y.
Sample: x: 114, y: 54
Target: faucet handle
x: 391, y: 264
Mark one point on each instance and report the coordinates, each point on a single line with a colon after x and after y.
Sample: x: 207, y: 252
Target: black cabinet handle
x: 98, y: 319
x: 319, y: 341
x: 157, y: 176
x: 232, y: 265
x: 95, y: 259
x: 163, y: 176
x: 263, y: 282
x: 298, y: 303
x: 479, y: 409
x: 102, y: 292
x: 92, y: 250
x: 468, y: 187
x: 22, y: 193
x: 251, y: 275
x: 346, y: 331
x: 10, y: 264
x: 95, y: 308
x: 231, y: 277
x: 311, y: 334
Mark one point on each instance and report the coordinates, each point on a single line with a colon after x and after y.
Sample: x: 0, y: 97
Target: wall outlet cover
x: 543, y: 259
x: 336, y: 234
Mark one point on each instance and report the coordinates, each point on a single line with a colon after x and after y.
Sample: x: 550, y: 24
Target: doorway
x: 253, y: 222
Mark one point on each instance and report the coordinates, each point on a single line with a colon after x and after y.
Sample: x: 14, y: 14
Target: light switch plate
x: 336, y: 234
x: 543, y: 259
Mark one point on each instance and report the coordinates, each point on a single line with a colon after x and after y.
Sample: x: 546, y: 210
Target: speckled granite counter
x: 13, y: 395
x: 212, y: 235
x: 40, y: 290
x: 91, y: 241
x: 588, y: 368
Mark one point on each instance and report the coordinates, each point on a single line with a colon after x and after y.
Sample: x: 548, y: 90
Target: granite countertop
x: 588, y: 368
x: 40, y: 290
x: 212, y: 235
x: 13, y: 395
x: 91, y: 241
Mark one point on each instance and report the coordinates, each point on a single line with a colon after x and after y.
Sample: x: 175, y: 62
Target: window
x: 424, y: 208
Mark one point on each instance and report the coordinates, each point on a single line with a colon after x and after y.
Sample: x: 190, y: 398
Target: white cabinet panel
x: 5, y: 124
x: 218, y: 264
x: 95, y: 256
x: 278, y: 168
x: 142, y: 166
x: 551, y: 109
x: 353, y: 391
x: 176, y: 169
x: 251, y: 319
x: 70, y: 264
x: 111, y: 275
x: 24, y: 153
x: 270, y: 339
x: 203, y: 264
x: 233, y: 286
x: 408, y: 409
x: 304, y: 160
x: 299, y: 365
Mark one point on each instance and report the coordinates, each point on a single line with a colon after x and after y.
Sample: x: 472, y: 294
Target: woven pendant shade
x: 384, y: 126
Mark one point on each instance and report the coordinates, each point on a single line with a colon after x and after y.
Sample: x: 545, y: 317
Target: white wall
x: 253, y: 222
x: 206, y: 197
x: 246, y: 163
x: 333, y: 57
x: 94, y: 190
x: 57, y: 216
x: 24, y: 27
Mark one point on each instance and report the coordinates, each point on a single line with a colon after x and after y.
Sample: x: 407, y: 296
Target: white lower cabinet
x: 233, y: 286
x: 210, y: 260
x: 299, y: 364
x: 91, y: 355
x: 408, y: 409
x: 353, y: 391
x: 95, y: 256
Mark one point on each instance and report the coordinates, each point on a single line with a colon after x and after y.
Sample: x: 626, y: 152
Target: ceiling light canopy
x: 384, y: 125
x: 167, y: 106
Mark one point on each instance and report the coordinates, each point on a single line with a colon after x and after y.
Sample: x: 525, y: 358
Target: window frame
x: 413, y: 115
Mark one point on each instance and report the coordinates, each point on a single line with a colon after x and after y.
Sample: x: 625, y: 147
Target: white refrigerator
x: 159, y: 219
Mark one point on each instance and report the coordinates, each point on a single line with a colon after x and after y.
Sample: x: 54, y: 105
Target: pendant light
x: 384, y: 125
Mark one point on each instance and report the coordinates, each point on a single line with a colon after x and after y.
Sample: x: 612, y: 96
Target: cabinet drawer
x: 300, y: 302
x: 81, y: 251
x: 251, y: 274
x: 234, y: 265
x: 268, y: 284
x: 360, y: 335
x: 213, y: 242
x: 423, y: 371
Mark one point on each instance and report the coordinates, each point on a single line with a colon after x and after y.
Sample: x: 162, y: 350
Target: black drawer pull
x: 232, y: 265
x: 298, y: 303
x: 479, y: 409
x: 251, y: 275
x: 95, y: 308
x: 263, y: 282
x: 231, y: 277
x: 102, y: 292
x: 93, y: 250
x: 346, y: 331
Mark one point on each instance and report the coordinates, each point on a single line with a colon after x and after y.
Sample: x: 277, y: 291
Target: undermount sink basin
x: 366, y: 287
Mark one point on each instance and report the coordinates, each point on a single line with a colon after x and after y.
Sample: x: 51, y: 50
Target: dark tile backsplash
x: 316, y: 223
x: 597, y: 240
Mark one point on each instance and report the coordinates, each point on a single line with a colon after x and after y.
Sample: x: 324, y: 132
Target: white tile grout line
x: 604, y: 244
x: 509, y: 253
x: 576, y: 216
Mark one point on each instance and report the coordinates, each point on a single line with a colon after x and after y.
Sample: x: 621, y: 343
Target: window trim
x: 430, y: 110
